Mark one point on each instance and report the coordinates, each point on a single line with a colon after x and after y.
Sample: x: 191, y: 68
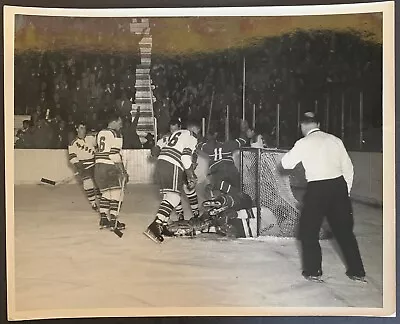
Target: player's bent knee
x: 88, y: 184
x: 173, y: 198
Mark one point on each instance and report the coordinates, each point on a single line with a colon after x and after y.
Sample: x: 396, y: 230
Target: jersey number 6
x: 174, y: 139
x: 102, y: 143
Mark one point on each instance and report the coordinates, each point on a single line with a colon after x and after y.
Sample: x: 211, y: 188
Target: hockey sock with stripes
x: 97, y: 193
x: 113, y: 209
x: 179, y: 209
x: 193, y: 201
x: 104, y: 206
x: 164, y: 211
x: 90, y: 193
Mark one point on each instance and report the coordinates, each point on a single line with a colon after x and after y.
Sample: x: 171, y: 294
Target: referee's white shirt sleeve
x: 323, y: 157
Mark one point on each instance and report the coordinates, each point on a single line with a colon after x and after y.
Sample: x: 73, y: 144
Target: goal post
x: 271, y: 190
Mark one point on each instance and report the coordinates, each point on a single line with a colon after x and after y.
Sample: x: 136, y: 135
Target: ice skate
x: 165, y: 231
x: 154, y: 232
x: 181, y: 217
x: 116, y: 225
x: 313, y: 277
x: 104, y: 223
x: 357, y: 278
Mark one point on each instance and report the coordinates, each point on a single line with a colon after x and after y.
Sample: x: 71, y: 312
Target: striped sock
x: 97, y: 193
x: 164, y: 211
x: 104, y: 206
x: 91, y: 195
x: 179, y: 209
x: 193, y: 201
x: 113, y: 209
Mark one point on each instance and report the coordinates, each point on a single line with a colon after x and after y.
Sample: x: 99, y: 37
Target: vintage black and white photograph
x: 200, y: 161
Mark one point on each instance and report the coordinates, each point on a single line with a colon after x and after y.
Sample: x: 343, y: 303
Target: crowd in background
x: 314, y: 71
x: 59, y: 90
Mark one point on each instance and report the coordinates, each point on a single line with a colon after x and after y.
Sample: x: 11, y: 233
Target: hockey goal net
x: 271, y: 189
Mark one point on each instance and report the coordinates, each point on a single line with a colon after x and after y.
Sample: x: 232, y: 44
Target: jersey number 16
x: 174, y: 139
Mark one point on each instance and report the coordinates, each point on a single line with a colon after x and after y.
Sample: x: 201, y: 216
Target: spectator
x: 124, y: 105
x: 25, y: 126
x: 256, y: 139
x: 61, y: 136
x: 43, y: 135
x: 131, y: 138
x: 149, y: 141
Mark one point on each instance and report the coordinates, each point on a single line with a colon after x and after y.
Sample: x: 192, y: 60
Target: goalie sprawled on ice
x: 228, y: 215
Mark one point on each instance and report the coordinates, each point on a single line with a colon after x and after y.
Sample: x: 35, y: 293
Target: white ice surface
x: 63, y: 261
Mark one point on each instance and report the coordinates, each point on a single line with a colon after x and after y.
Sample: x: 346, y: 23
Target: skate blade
x: 151, y: 237
x: 314, y: 279
x: 358, y: 279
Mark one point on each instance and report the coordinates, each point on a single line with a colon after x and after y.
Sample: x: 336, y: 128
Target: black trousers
x: 328, y: 198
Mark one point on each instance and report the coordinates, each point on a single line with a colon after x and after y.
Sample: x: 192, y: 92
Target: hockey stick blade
x: 118, y: 233
x: 47, y: 181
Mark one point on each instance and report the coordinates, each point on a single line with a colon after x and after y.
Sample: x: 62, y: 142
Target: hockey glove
x: 192, y: 183
x: 155, y: 151
x: 191, y: 178
x: 79, y: 167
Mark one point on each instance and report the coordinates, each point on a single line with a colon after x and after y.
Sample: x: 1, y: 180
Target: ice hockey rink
x: 63, y: 261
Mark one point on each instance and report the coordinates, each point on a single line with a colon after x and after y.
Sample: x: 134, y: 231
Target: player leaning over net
x: 222, y: 172
x: 175, y: 125
x: 110, y: 174
x: 173, y: 164
x: 81, y: 153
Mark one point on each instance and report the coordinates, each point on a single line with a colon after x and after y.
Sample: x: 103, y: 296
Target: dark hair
x: 80, y: 123
x: 175, y: 121
x: 113, y: 116
x: 309, y: 117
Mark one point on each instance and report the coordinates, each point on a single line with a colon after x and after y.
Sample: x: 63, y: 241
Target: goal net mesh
x: 270, y: 187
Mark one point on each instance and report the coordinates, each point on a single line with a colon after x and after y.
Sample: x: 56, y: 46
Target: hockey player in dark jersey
x: 229, y: 214
x: 223, y: 174
x: 174, y: 166
x: 175, y: 125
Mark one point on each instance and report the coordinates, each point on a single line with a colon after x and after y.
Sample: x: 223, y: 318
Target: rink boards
x: 31, y: 165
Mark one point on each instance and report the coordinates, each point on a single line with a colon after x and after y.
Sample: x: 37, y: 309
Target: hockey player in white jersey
x: 110, y: 172
x: 173, y: 164
x: 175, y: 125
x: 81, y: 153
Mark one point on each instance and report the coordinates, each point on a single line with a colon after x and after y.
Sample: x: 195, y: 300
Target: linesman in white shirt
x: 329, y: 173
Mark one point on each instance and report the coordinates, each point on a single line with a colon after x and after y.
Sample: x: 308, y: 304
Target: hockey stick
x: 121, y: 195
x: 116, y: 230
x: 62, y: 181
